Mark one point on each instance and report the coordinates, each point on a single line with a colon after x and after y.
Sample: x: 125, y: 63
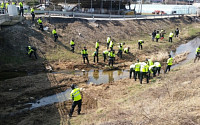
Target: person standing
x: 97, y: 47
x: 111, y: 56
x: 39, y: 21
x: 72, y: 44
x: 85, y: 55
x: 21, y: 11
x: 171, y: 34
x: 108, y: 41
x: 158, y: 67
x: 137, y: 70
x: 120, y: 50
x: 140, y: 43
x: 132, y: 70
x: 176, y: 32
x: 169, y: 63
x: 111, y: 45
x: 197, y: 54
x: 55, y: 34
x: 76, y: 98
x: 144, y: 71
x: 153, y: 35
x: 149, y: 62
x: 33, y: 14
x: 105, y: 53
x: 3, y: 6
x: 157, y: 36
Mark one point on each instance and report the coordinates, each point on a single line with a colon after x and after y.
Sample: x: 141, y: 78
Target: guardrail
x: 108, y: 16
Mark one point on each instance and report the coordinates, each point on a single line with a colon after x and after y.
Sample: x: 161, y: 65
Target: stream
x: 101, y: 76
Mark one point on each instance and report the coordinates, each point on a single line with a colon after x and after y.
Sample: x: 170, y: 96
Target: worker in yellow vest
x: 21, y: 11
x: 33, y: 13
x: 3, y: 7
x: 85, y: 55
x: 111, y: 55
x: 97, y: 47
x: 126, y: 50
x: 31, y: 50
x: 7, y: 6
x: 132, y: 70
x: 40, y: 24
x: 158, y: 67
x: 119, y: 53
x: 140, y: 42
x: 171, y: 34
x: 55, y: 34
x: 157, y: 36
x: 137, y: 70
x: 144, y: 72
x: 76, y: 98
x: 169, y: 63
x: 108, y: 41
x: 105, y: 54
x: 197, y: 54
x: 72, y: 44
x: 149, y: 62
x: 95, y: 55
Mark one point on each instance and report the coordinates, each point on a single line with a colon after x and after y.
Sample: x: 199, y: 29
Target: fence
x: 106, y: 16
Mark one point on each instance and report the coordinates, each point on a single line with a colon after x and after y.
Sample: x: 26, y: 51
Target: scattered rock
x: 186, y: 83
x: 10, y: 89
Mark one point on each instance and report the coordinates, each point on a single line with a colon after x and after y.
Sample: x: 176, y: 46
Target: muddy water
x: 188, y: 47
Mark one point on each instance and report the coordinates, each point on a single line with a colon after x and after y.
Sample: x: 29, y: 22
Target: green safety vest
x: 140, y: 41
x: 30, y: 49
x: 84, y: 52
x: 111, y: 54
x: 171, y: 35
x: 54, y: 31
x: 198, y: 50
x: 142, y: 68
x: 158, y: 35
x: 13, y: 3
x: 108, y: 40
x: 76, y: 94
x: 20, y: 4
x: 2, y: 5
x: 32, y: 10
x: 72, y: 42
x: 111, y: 44
x: 39, y: 21
x: 157, y: 64
x: 105, y: 52
x: 170, y: 61
x: 97, y: 45
x: 137, y: 66
x: 7, y: 5
x: 150, y: 62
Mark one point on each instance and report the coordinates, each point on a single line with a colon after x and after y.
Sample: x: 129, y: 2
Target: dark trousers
x: 176, y: 35
x: 111, y: 61
x: 55, y: 37
x: 139, y: 46
x: 33, y: 16
x: 85, y: 57
x: 142, y: 75
x: 33, y: 52
x: 158, y: 70
x: 137, y: 74
x: 79, y: 103
x: 157, y: 39
x: 108, y: 45
x: 96, y: 55
x: 132, y: 71
x: 119, y: 54
x: 104, y: 57
x: 41, y: 27
x: 167, y: 68
x: 170, y: 39
x: 21, y: 12
x: 72, y: 46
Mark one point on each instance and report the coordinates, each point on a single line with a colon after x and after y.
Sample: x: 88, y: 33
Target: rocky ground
x: 120, y: 102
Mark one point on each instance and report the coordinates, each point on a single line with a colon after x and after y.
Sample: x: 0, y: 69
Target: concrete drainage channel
x: 101, y: 76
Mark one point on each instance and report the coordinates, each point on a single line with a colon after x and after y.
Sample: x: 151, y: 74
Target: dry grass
x: 171, y: 99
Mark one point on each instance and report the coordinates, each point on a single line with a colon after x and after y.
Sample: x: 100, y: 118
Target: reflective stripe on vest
x: 137, y: 67
x: 76, y: 95
x: 84, y: 52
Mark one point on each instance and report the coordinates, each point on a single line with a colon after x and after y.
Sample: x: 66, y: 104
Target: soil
x: 102, y: 104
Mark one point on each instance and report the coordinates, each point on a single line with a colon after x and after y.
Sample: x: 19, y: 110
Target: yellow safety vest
x: 111, y: 44
x: 32, y: 10
x: 7, y: 5
x: 72, y: 42
x: 54, y: 31
x: 171, y: 35
x: 170, y: 61
x: 150, y: 62
x: 140, y: 41
x: 39, y: 21
x: 2, y: 5
x: 84, y: 52
x: 30, y: 49
x: 137, y: 66
x: 20, y: 4
x: 111, y: 54
x: 157, y: 64
x: 158, y: 35
x: 105, y: 52
x: 97, y: 45
x: 108, y: 40
x: 13, y: 3
x: 76, y: 94
x: 198, y: 50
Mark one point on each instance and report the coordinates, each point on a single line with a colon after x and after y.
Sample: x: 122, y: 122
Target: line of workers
x: 143, y: 70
